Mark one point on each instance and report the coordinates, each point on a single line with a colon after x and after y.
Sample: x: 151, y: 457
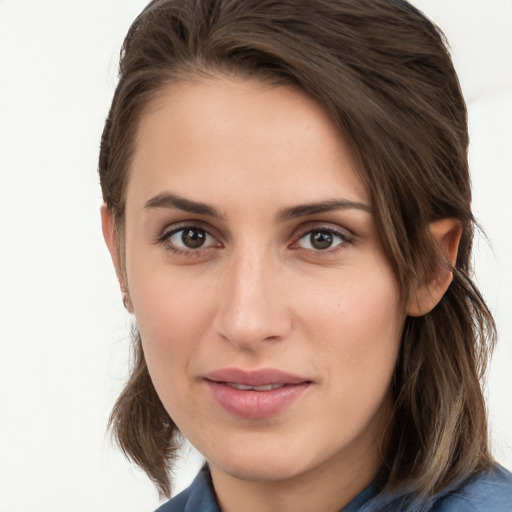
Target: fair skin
x: 250, y: 244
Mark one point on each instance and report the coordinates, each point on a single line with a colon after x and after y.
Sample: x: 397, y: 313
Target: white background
x: 64, y: 333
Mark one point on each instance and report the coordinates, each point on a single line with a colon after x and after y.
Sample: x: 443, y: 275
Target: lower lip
x: 256, y: 404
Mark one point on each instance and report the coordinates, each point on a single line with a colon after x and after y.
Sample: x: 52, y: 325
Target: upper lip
x: 261, y: 377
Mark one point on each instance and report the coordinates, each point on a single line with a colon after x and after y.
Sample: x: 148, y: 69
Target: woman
x: 287, y: 206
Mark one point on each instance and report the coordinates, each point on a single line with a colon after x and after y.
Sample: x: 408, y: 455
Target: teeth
x: 243, y: 387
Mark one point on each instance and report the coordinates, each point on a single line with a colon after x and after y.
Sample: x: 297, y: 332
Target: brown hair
x: 382, y: 71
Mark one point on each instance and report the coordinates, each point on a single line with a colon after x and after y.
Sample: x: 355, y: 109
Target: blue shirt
x: 485, y: 492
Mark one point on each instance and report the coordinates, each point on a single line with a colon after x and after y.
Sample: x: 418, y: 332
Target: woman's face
x: 269, y: 316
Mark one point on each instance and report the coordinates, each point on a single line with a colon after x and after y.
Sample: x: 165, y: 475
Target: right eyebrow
x: 169, y: 200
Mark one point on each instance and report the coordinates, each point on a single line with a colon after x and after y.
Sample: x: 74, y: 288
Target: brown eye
x: 191, y: 238
x: 322, y: 239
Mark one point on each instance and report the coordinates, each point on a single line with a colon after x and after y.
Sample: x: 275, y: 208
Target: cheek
x: 173, y: 313
x: 358, y: 323
x: 357, y: 305
x: 171, y: 320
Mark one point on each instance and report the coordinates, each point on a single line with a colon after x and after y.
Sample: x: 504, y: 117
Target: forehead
x: 225, y: 134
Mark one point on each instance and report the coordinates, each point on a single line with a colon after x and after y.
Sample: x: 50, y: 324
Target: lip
x: 255, y: 404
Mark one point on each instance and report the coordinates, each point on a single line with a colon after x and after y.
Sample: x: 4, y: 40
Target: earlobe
x: 447, y: 233
x: 110, y: 237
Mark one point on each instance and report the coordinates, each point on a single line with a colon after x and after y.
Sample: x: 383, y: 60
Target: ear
x: 110, y: 237
x: 447, y: 233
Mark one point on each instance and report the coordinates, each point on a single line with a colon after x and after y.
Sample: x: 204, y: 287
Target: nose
x: 252, y: 308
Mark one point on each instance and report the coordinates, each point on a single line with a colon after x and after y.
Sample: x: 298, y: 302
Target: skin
x: 257, y: 294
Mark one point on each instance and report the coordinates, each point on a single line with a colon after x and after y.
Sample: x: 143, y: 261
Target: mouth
x: 256, y: 394
x: 254, y: 379
x: 244, y: 387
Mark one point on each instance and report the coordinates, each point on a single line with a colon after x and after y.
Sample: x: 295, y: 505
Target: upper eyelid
x: 323, y: 226
x: 345, y: 238
x: 179, y: 226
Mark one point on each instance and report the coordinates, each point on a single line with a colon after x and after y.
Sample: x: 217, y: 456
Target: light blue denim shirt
x: 485, y: 492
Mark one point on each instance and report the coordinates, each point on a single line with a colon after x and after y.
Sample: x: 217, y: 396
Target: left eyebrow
x: 321, y: 207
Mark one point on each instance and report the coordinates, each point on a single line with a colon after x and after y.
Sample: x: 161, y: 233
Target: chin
x: 261, y: 471
x: 264, y: 464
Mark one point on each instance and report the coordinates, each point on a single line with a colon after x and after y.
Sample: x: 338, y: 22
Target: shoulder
x: 489, y: 491
x: 198, y: 497
x: 484, y: 492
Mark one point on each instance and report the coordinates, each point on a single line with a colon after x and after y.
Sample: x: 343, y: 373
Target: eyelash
x: 344, y: 240
x: 165, y: 240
